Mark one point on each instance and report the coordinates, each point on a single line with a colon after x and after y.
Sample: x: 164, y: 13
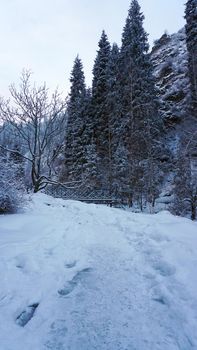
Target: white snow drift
x: 81, y: 277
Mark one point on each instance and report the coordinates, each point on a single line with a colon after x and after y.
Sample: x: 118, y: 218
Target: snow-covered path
x: 83, y: 277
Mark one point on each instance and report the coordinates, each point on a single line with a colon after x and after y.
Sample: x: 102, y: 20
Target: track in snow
x: 103, y: 279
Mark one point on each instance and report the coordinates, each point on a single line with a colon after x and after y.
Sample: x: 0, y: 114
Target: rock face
x: 170, y: 60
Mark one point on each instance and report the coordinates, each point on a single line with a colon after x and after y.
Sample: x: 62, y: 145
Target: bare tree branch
x: 39, y: 122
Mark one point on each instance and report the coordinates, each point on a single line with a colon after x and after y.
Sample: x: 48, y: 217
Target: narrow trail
x: 115, y: 304
x: 88, y: 277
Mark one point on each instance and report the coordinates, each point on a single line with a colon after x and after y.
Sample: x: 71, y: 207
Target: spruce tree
x: 191, y: 38
x: 74, y: 143
x: 185, y: 186
x: 114, y: 107
x: 139, y: 112
x: 113, y: 85
x: 91, y: 159
x: 91, y: 166
x: 100, y: 112
x: 120, y: 169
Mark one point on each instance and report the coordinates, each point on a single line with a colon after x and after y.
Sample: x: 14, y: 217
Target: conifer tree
x: 191, y: 38
x: 185, y: 186
x: 91, y: 174
x: 74, y: 143
x: 100, y: 112
x: 114, y: 108
x: 120, y: 167
x: 113, y: 84
x: 139, y: 113
x: 91, y: 166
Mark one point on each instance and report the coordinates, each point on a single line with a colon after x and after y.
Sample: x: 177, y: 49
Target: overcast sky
x: 46, y: 35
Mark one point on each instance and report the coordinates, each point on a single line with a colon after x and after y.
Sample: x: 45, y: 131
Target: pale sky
x: 46, y: 35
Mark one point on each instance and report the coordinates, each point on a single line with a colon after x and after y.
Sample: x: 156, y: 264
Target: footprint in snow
x: 26, y: 315
x: 160, y: 296
x: 71, y: 264
x: 161, y: 300
x: 20, y: 262
x: 159, y: 238
x: 71, y: 285
x: 49, y: 252
x: 163, y: 268
x: 58, y: 332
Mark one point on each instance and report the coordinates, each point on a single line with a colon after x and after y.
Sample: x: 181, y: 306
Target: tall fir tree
x: 185, y: 186
x: 91, y: 166
x: 139, y: 114
x: 91, y: 159
x: 100, y: 112
x: 120, y: 173
x: 191, y: 38
x: 114, y: 108
x: 74, y: 142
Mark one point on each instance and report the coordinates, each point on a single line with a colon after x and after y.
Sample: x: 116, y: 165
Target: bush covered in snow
x: 11, y: 186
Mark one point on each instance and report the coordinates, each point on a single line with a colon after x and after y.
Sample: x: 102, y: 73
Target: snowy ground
x: 83, y: 277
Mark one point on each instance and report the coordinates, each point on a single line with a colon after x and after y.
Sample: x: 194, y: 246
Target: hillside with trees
x: 130, y: 137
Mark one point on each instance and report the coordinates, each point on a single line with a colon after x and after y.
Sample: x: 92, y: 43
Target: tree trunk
x: 193, y: 211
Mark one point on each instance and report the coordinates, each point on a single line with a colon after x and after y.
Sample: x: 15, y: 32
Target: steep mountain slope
x: 170, y: 60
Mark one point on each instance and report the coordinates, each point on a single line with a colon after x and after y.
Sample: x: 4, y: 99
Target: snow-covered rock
x: 170, y: 60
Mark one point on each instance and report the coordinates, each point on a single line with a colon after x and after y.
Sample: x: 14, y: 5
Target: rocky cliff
x: 170, y: 60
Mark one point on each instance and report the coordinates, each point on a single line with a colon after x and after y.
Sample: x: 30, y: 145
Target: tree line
x: 113, y: 137
x: 110, y: 136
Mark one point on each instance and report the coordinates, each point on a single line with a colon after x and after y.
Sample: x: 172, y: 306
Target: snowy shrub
x: 11, y: 186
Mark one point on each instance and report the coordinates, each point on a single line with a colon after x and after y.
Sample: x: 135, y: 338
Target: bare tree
x: 39, y: 122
